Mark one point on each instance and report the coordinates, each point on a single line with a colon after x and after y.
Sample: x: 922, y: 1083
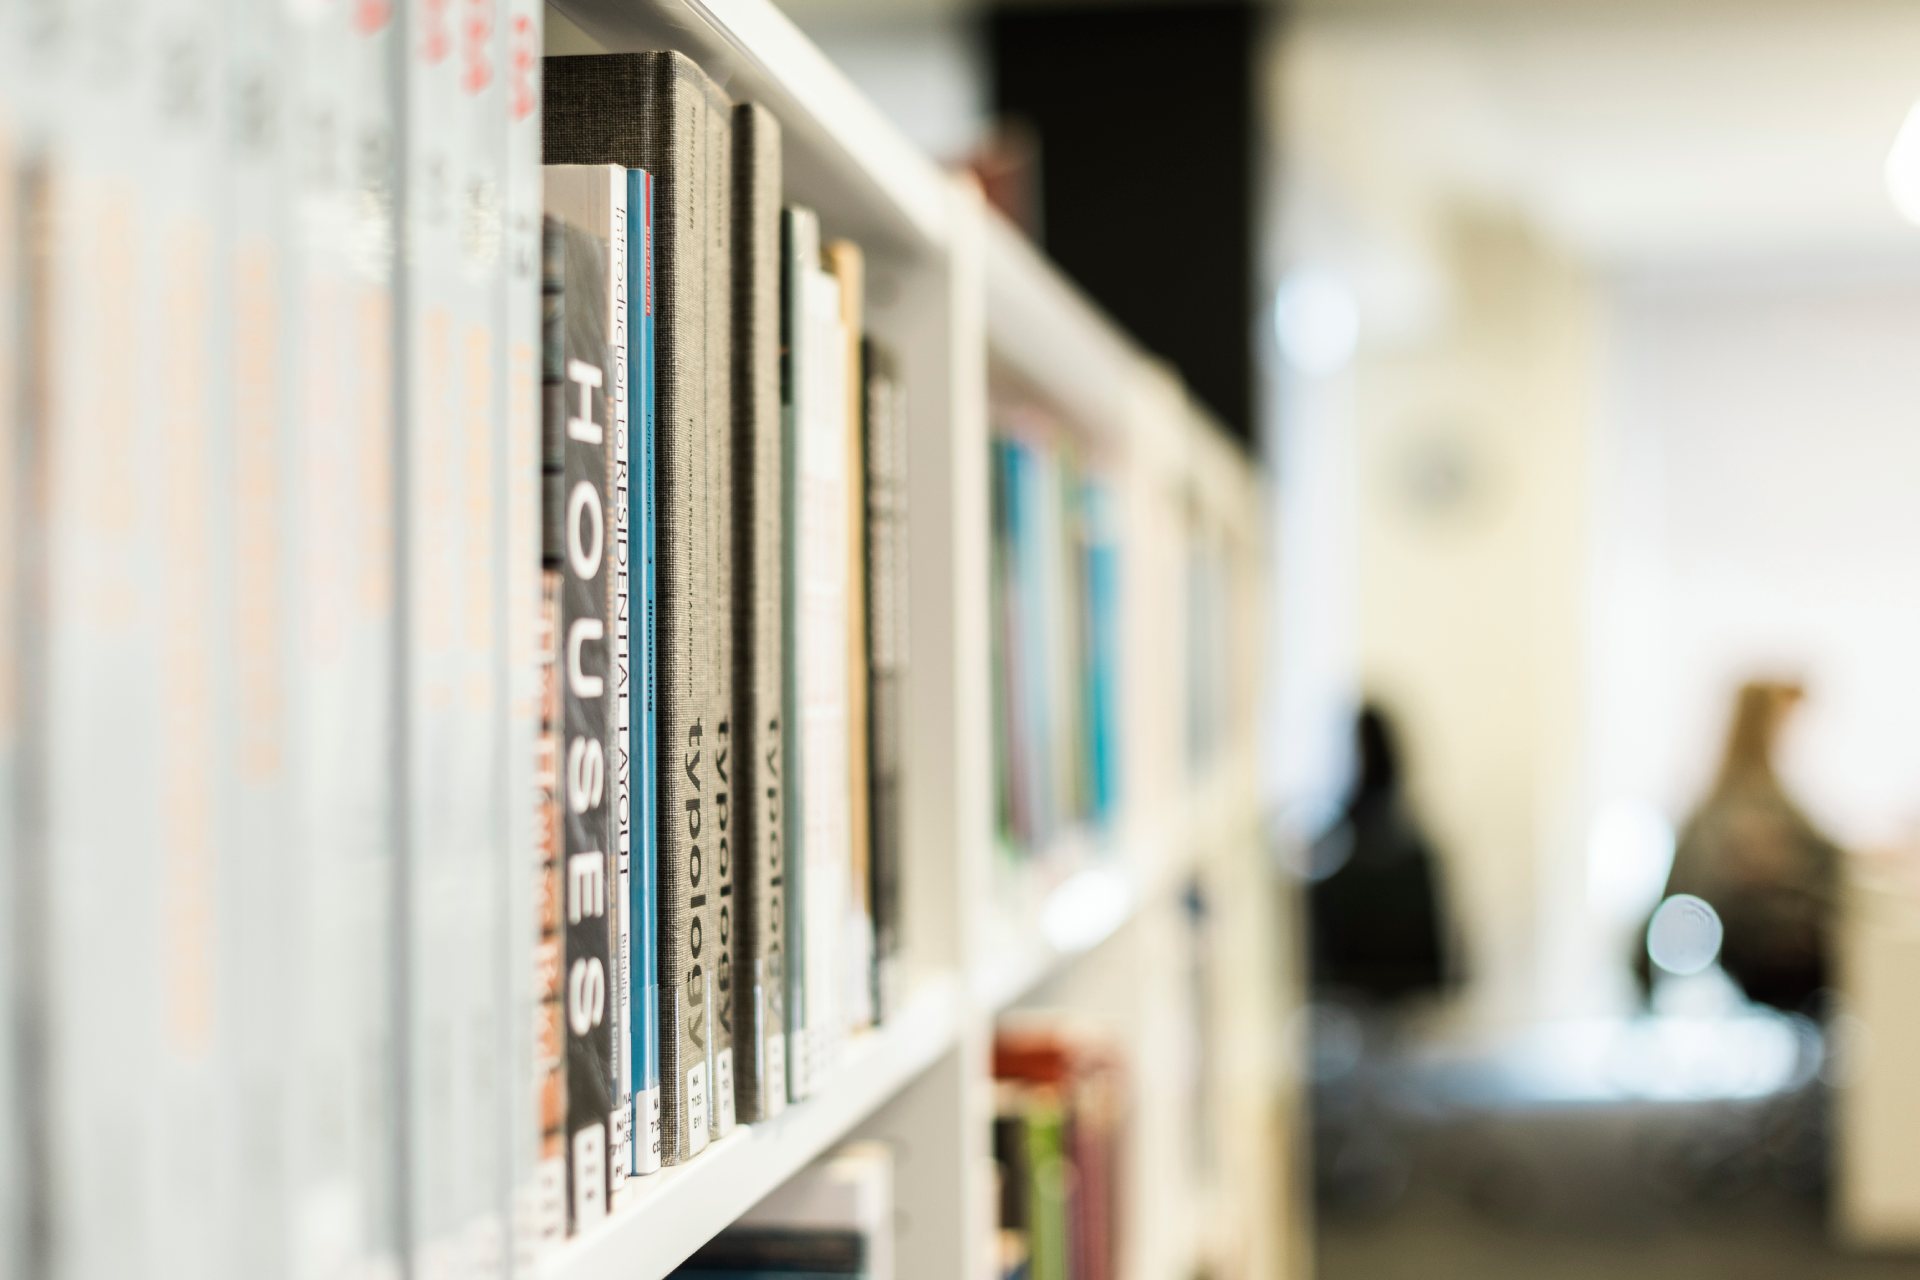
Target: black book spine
x: 587, y: 695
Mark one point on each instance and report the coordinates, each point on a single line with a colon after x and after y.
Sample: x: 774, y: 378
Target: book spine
x: 434, y: 765
x: 799, y: 262
x: 529, y: 953
x: 685, y: 717
x: 262, y: 464
x: 759, y: 980
x: 645, y: 1026
x: 886, y: 490
x: 346, y: 1147
x: 823, y: 671
x: 846, y: 263
x: 16, y: 1176
x: 553, y: 1042
x: 619, y: 614
x: 546, y: 1222
x: 191, y: 1024
x: 719, y: 590
x: 490, y: 787
x: 90, y: 439
x: 579, y: 196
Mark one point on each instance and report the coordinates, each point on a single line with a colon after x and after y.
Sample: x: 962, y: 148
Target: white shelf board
x: 1074, y: 918
x: 1114, y: 882
x: 668, y: 1215
x: 840, y: 155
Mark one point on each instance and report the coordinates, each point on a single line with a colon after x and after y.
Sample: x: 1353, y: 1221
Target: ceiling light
x: 1903, y: 167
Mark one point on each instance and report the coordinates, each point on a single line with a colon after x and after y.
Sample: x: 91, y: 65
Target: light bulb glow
x: 1903, y: 167
x: 1316, y: 320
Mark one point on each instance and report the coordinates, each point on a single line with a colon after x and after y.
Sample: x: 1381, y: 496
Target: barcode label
x: 723, y: 1089
x: 773, y: 1085
x: 696, y: 1108
x: 646, y: 1148
x: 589, y: 1176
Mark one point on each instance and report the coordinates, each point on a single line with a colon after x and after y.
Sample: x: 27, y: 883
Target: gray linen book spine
x: 886, y: 496
x: 719, y: 592
x: 647, y: 111
x: 758, y: 977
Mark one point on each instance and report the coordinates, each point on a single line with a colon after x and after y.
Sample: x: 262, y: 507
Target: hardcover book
x: 799, y: 263
x: 718, y: 588
x: 822, y: 560
x: 589, y: 203
x: 885, y: 474
x: 546, y: 1220
x: 848, y: 266
x: 648, y: 111
x: 759, y: 972
x: 644, y: 1031
x: 536, y: 1170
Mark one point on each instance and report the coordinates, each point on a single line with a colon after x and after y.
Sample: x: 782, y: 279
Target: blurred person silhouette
x: 1759, y: 861
x: 1377, y: 914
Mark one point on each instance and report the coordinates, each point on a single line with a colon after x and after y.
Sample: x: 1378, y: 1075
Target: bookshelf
x: 978, y: 317
x: 975, y: 317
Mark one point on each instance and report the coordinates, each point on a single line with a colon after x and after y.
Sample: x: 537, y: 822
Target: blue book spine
x: 1103, y: 590
x: 645, y: 744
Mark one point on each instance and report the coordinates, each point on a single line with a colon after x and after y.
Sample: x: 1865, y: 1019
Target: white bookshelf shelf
x: 976, y: 313
x: 668, y: 1215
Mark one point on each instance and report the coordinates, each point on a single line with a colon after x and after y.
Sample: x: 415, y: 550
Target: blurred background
x: 1578, y: 340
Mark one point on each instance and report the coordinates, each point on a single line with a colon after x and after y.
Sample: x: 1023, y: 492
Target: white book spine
x: 519, y: 608
x: 823, y: 672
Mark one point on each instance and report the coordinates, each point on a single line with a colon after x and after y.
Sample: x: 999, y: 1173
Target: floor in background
x: 1460, y: 1175
x: 1433, y: 1237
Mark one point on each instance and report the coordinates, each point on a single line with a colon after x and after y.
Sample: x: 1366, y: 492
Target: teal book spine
x: 645, y: 725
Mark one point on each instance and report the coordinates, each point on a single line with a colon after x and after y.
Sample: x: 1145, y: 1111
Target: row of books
x: 424, y: 803
x: 1059, y: 1137
x: 1055, y: 574
x: 724, y: 474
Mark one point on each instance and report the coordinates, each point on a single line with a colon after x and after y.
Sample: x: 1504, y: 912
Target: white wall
x: 1474, y: 466
x: 1759, y: 511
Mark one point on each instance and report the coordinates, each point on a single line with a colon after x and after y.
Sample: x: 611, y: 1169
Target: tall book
x: 718, y: 230
x: 542, y: 1221
x: 619, y: 631
x: 529, y: 805
x: 345, y: 958
x: 644, y: 1030
x: 799, y: 263
x: 885, y: 477
x: 821, y: 666
x: 184, y: 870
x: 90, y: 438
x: 259, y: 529
x: 438, y: 874
x: 848, y: 266
x: 14, y: 1178
x: 759, y: 980
x: 589, y: 202
x: 650, y: 111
